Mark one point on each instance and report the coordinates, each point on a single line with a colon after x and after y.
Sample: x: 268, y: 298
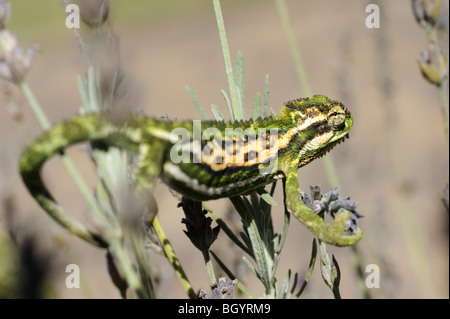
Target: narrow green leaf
x: 241, y: 208
x: 261, y: 258
x: 312, y: 261
x: 275, y: 254
x: 337, y: 277
x: 230, y: 274
x: 230, y: 107
x: 294, y: 283
x: 223, y: 266
x: 265, y: 109
x: 272, y: 190
x: 196, y: 103
x: 256, y: 108
x: 263, y: 192
x: 239, y: 68
x: 239, y: 75
x: 241, y: 107
x: 254, y: 205
x: 250, y: 267
x: 269, y: 199
x: 92, y: 90
x: 224, y: 227
x: 283, y: 289
x: 226, y: 56
x: 109, y: 101
x: 247, y: 203
x: 217, y: 114
x: 287, y: 218
x: 325, y: 266
x: 142, y: 264
x: 84, y: 96
x: 247, y: 242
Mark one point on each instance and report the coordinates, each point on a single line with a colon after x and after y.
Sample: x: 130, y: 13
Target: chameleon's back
x: 209, y: 160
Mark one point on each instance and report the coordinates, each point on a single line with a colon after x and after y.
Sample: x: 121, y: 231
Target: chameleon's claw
x: 334, y: 205
x: 336, y: 234
x: 342, y: 224
x: 312, y: 215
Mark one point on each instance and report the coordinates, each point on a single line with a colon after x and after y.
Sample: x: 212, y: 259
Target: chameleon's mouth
x: 339, y: 141
x: 324, y: 150
x: 346, y: 136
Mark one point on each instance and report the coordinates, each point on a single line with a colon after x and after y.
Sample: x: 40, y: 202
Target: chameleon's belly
x: 199, y: 182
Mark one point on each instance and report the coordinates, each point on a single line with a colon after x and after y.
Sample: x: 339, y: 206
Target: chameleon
x: 304, y: 130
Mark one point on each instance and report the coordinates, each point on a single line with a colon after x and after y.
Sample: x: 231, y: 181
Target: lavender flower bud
x: 94, y: 12
x: 5, y: 13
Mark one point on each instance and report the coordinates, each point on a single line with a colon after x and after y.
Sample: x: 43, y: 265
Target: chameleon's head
x: 318, y: 123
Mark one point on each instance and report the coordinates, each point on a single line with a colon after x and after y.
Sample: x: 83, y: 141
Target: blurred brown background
x: 395, y: 164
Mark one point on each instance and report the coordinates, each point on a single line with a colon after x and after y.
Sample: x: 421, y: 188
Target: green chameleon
x: 226, y: 166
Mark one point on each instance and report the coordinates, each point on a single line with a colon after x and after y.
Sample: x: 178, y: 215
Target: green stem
x: 209, y: 267
x: 118, y: 250
x: 240, y: 286
x: 444, y: 106
x: 361, y: 276
x: 432, y: 38
x: 137, y: 242
x: 295, y: 52
x: 442, y: 87
x: 227, y: 60
x: 336, y: 292
x: 172, y: 257
x: 330, y: 168
x: 34, y: 105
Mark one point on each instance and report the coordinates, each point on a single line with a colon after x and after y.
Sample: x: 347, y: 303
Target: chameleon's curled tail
x: 76, y: 130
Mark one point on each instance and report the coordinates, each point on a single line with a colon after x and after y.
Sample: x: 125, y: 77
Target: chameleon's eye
x: 336, y: 117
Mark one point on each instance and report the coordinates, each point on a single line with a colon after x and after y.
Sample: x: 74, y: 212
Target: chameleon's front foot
x: 336, y: 234
x: 342, y: 210
x: 343, y: 232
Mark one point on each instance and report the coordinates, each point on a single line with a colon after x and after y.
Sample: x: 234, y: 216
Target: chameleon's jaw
x: 324, y: 150
x: 333, y: 143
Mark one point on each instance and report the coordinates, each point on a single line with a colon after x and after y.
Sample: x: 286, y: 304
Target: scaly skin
x: 304, y: 130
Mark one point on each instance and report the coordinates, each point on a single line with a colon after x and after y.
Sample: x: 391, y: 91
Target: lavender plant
x: 118, y: 213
